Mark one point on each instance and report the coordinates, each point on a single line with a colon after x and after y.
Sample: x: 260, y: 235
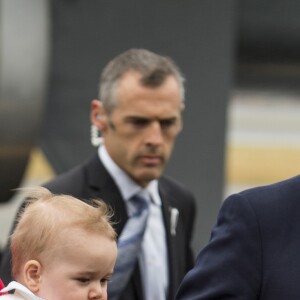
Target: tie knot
x: 139, y: 203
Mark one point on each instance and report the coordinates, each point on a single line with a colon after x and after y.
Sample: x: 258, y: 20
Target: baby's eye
x: 105, y: 280
x: 83, y: 279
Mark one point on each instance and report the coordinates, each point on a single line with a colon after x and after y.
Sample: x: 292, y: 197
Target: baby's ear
x: 32, y: 275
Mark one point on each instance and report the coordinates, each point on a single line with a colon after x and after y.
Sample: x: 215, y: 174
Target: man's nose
x: 154, y: 134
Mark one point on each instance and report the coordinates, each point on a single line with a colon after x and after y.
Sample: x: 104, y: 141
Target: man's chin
x: 146, y: 176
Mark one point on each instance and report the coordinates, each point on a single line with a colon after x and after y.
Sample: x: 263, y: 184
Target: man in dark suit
x: 253, y: 253
x: 139, y: 117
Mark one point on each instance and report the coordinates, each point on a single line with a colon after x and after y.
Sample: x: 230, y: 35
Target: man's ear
x: 98, y: 115
x: 32, y: 275
x: 180, y: 125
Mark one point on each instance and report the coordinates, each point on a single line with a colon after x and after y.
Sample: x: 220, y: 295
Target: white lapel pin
x: 174, y: 214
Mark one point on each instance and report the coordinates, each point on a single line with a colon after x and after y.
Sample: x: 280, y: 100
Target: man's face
x: 142, y: 128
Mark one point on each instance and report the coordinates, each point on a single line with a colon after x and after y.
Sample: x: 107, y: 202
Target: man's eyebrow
x: 170, y: 118
x: 137, y: 119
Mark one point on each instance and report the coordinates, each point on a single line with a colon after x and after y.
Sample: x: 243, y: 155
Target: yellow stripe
x: 260, y: 165
x: 38, y: 168
x: 244, y: 165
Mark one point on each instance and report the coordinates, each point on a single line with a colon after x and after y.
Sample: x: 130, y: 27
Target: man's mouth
x: 151, y: 159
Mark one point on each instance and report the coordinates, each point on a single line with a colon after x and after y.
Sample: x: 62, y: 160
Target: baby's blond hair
x: 45, y: 216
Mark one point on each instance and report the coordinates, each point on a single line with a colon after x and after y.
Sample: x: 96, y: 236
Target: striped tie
x: 129, y: 246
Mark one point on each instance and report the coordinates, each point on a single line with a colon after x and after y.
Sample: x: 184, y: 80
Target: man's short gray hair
x: 153, y: 68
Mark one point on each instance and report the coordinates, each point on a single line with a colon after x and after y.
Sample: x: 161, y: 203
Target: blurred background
x: 241, y: 60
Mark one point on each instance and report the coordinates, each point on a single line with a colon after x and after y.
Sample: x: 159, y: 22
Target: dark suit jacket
x: 91, y: 180
x: 254, y: 248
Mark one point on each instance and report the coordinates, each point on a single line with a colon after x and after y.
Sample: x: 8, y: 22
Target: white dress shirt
x: 153, y: 259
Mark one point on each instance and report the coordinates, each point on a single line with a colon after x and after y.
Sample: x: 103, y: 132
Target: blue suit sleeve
x: 230, y: 266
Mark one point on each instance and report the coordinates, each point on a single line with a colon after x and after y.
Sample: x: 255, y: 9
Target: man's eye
x: 140, y: 122
x: 167, y: 123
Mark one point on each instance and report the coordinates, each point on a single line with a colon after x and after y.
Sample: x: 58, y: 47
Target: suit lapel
x: 171, y: 239
x: 102, y: 185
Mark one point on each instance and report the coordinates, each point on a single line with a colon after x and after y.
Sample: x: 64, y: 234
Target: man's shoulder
x: 74, y: 180
x: 282, y: 195
x: 287, y: 186
x: 67, y: 177
x: 175, y: 189
x: 171, y: 182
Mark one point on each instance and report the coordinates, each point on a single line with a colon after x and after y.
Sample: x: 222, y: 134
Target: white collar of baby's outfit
x: 22, y: 290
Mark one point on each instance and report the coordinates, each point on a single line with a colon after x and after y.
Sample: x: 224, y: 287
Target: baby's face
x: 81, y: 269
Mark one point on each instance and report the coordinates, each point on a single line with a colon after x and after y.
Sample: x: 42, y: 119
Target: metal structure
x: 24, y: 54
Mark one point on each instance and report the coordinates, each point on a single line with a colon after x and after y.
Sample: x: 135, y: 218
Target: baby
x: 62, y: 248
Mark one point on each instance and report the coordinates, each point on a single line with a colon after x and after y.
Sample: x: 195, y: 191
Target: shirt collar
x: 125, y: 184
x: 22, y: 290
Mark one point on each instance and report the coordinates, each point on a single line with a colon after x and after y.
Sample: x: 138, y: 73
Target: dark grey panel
x: 269, y: 30
x: 268, y: 45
